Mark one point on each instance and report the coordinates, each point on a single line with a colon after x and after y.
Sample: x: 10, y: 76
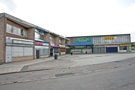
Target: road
x: 117, y: 75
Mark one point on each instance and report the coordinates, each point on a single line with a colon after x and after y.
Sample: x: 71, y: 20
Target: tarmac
x: 64, y: 61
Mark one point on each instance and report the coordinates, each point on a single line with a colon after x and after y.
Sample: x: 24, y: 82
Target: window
x: 56, y: 50
x: 44, y: 52
x: 123, y: 47
x: 16, y: 30
x: 51, y: 39
x: 9, y: 28
x: 39, y: 36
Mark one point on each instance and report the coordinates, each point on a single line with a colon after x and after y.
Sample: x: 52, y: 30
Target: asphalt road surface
x: 117, y: 75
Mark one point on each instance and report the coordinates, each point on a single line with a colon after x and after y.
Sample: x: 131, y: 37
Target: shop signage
x: 53, y: 44
x: 21, y: 45
x: 42, y: 44
x: 99, y: 45
x: 83, y: 39
x: 22, y: 42
x: 112, y: 45
x: 62, y: 46
x: 124, y: 45
x: 109, y: 37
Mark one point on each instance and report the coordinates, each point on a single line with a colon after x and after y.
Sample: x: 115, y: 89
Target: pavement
x: 7, y: 68
x: 64, y: 61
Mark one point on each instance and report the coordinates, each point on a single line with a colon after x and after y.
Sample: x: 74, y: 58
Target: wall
x: 47, y: 37
x: 16, y: 59
x: 31, y: 36
x: 57, y: 40
x: 117, y: 39
x: 2, y: 39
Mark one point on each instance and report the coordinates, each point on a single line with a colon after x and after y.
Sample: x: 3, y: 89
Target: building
x: 21, y: 40
x: 100, y: 43
x: 17, y: 39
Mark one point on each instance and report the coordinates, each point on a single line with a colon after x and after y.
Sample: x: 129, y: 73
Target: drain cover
x: 63, y: 74
x: 98, y: 56
x: 116, y: 61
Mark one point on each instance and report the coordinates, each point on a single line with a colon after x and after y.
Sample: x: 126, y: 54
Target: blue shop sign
x: 39, y: 43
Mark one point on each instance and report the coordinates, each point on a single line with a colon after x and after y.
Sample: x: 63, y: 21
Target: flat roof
x: 98, y: 35
x: 27, y: 24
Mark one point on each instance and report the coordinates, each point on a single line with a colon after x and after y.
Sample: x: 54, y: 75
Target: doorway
x: 37, y: 53
x: 51, y: 51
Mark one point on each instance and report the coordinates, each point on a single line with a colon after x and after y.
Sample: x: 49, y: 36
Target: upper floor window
x: 39, y: 35
x: 16, y: 30
x: 51, y: 39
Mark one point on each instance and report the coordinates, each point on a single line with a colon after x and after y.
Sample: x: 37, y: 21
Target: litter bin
x: 71, y: 53
x: 55, y: 56
x: 86, y: 52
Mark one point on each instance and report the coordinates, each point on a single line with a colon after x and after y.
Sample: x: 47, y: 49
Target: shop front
x: 111, y: 48
x: 99, y: 48
x: 62, y: 49
x: 19, y: 49
x: 82, y: 45
x: 54, y: 49
x: 124, y: 47
x: 41, y: 49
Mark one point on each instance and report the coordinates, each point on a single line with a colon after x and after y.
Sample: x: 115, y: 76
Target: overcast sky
x: 76, y: 17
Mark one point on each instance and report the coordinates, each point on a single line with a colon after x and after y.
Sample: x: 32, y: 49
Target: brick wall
x: 47, y: 37
x: 16, y: 59
x: 71, y: 40
x: 56, y: 40
x: 2, y: 39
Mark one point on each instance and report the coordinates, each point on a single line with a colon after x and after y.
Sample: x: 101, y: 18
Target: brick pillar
x: 47, y: 37
x: 2, y: 39
x: 63, y: 41
x: 56, y: 40
x: 31, y: 36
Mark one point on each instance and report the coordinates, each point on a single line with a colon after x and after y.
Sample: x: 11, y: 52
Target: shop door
x: 67, y: 51
x: 51, y: 51
x: 111, y: 49
x: 8, y: 54
x: 37, y: 53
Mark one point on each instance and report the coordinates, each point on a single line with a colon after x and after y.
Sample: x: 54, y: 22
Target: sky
x: 76, y: 17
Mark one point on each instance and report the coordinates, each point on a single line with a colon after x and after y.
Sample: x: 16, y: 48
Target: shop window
x: 44, y: 52
x: 56, y: 50
x: 123, y: 47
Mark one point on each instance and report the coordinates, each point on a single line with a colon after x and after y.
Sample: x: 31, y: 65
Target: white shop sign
x: 22, y: 42
x: 111, y: 45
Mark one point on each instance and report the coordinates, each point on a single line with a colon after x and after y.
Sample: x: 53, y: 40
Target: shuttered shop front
x: 19, y: 50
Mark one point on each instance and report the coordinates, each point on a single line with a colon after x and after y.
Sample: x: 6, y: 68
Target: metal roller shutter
x: 102, y: 49
x: 28, y: 51
x: 17, y: 51
x: 96, y: 49
x: 111, y: 49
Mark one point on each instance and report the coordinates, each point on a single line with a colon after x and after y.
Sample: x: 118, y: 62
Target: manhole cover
x: 63, y: 74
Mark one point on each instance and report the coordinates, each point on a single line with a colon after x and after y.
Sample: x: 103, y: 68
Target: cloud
x: 10, y: 4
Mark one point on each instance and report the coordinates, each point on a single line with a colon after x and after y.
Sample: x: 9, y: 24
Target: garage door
x: 111, y: 49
